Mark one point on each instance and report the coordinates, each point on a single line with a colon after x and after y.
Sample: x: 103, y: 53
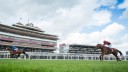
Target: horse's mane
x: 100, y: 45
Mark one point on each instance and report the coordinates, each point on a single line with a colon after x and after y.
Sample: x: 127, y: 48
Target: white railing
x: 61, y: 56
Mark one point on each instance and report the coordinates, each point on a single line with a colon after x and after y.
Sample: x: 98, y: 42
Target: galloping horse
x: 16, y: 53
x: 106, y: 51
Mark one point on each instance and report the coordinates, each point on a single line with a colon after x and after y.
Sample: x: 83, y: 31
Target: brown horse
x: 16, y: 54
x: 106, y: 51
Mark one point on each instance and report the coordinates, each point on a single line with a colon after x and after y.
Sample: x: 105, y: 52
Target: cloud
x: 122, y: 44
x: 31, y: 9
x: 107, y: 2
x: 101, y: 18
x: 124, y: 6
x: 54, y: 16
x: 109, y: 33
x: 76, y: 18
x: 113, y: 29
x: 82, y: 38
x: 70, y: 19
x: 67, y: 18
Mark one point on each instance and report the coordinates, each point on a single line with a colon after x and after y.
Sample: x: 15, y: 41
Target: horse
x: 16, y: 54
x: 106, y: 51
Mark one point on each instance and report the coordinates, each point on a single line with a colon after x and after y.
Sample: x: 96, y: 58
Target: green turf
x: 14, y: 65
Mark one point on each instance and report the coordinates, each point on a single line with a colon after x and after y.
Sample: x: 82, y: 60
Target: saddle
x: 15, y: 51
x: 110, y: 49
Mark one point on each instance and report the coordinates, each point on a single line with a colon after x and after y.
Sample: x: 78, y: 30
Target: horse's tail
x: 120, y: 53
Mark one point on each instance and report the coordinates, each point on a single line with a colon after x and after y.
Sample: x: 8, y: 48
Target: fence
x: 61, y: 56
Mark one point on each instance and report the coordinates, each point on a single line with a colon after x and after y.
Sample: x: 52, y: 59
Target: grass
x: 13, y: 65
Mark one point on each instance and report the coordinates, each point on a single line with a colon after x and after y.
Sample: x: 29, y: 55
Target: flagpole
x: 28, y: 21
x: 20, y: 20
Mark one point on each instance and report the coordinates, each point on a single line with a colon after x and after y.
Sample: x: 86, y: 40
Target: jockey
x: 107, y: 44
x: 14, y: 48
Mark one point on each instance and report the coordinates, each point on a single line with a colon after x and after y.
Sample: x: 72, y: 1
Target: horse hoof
x: 118, y: 60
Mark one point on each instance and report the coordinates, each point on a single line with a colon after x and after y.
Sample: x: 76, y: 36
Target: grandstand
x: 27, y: 36
x: 77, y: 48
x: 40, y: 45
x: 126, y: 53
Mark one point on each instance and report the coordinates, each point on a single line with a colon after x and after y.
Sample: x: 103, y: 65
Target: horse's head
x: 99, y: 46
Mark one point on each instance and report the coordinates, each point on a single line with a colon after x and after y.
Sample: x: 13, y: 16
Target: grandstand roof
x: 28, y: 26
x: 27, y: 31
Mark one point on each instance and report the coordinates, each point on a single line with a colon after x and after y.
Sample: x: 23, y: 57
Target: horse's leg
x: 117, y: 58
x: 18, y: 55
x: 101, y: 57
x: 25, y: 54
x: 15, y: 56
x: 11, y: 55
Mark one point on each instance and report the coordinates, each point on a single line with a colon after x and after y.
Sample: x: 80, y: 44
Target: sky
x: 88, y: 22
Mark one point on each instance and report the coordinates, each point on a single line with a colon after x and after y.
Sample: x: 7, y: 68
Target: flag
x: 63, y: 44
